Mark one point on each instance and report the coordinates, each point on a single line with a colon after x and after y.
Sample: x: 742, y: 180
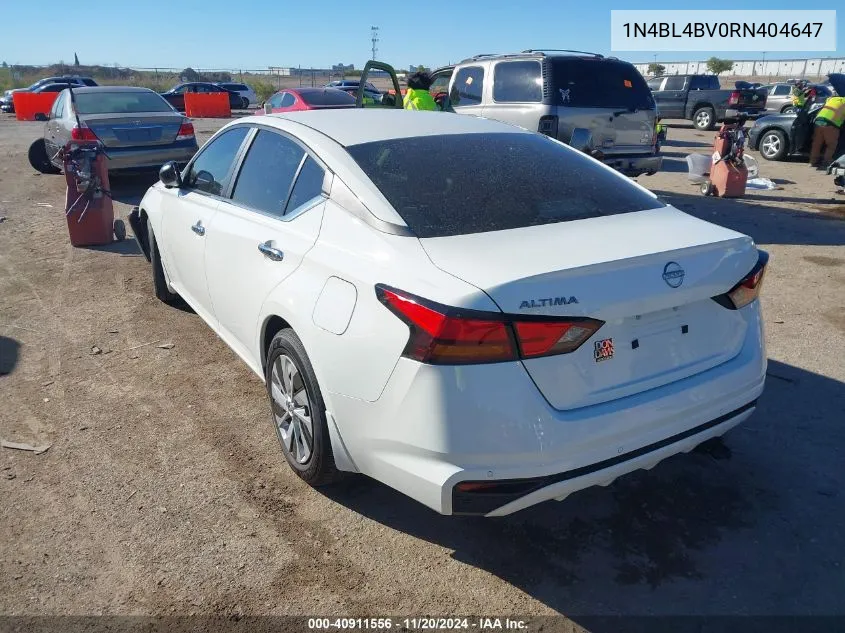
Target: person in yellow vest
x: 826, y: 130
x: 417, y: 96
x: 798, y: 93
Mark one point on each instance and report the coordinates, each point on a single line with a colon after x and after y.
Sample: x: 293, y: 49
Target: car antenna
x: 73, y: 104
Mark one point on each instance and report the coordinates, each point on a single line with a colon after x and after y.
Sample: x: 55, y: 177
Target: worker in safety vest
x: 827, y: 128
x: 417, y: 96
x: 799, y: 94
x: 659, y: 132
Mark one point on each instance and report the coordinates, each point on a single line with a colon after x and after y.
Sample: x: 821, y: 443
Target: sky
x: 222, y: 34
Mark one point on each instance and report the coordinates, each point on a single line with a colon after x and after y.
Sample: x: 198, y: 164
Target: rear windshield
x: 328, y: 98
x: 119, y: 102
x: 472, y: 183
x: 598, y: 83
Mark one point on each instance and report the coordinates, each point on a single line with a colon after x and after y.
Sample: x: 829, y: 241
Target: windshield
x: 598, y: 83
x: 120, y: 102
x: 472, y: 183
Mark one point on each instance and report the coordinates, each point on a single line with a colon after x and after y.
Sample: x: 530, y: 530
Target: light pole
x: 374, y: 39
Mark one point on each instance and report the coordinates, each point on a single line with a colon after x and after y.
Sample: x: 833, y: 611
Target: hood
x: 837, y: 80
x: 774, y: 118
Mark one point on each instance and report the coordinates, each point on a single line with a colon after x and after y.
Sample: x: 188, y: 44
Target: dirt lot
x: 164, y: 491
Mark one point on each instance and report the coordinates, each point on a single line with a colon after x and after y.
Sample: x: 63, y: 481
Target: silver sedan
x: 137, y: 127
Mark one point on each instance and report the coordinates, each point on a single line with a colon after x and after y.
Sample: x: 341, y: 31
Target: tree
x: 718, y: 66
x: 656, y: 69
x: 189, y: 74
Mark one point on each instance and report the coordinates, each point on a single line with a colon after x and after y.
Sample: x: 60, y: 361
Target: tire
x: 119, y: 230
x: 788, y: 109
x: 704, y: 118
x: 296, y: 402
x: 163, y: 293
x: 39, y: 159
x: 773, y: 145
x: 706, y: 188
x: 244, y: 103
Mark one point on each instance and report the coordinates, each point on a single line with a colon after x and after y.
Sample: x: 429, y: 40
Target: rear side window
x: 675, y: 83
x: 472, y: 183
x: 704, y: 82
x: 518, y: 82
x: 235, y: 86
x: 211, y: 171
x: 781, y: 90
x: 328, y: 98
x: 288, y: 100
x: 599, y: 83
x: 267, y: 173
x: 88, y: 81
x: 467, y: 87
x: 309, y: 185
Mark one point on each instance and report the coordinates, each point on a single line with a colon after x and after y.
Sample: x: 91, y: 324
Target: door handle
x: 198, y: 228
x: 270, y: 252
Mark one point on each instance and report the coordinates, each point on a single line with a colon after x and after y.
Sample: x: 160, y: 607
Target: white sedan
x: 476, y: 315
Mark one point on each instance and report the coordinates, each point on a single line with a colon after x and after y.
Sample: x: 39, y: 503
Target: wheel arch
x: 272, y: 325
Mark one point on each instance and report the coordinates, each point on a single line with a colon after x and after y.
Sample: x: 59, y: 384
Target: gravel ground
x: 164, y: 491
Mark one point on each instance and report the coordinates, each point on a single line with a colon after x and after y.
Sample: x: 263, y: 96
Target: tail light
x: 442, y: 335
x: 734, y: 98
x: 186, y: 131
x: 748, y: 289
x: 82, y: 134
x: 548, y: 126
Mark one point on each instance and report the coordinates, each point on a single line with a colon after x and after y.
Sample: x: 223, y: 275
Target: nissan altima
x: 476, y: 315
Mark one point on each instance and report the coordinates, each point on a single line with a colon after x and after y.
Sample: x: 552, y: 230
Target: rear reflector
x: 82, y: 134
x: 734, y: 98
x: 442, y: 335
x: 748, y: 289
x: 186, y: 131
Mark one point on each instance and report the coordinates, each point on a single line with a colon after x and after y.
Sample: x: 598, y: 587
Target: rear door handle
x: 198, y: 228
x: 270, y: 252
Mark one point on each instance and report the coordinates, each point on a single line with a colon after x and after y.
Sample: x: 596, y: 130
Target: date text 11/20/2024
x: 417, y: 624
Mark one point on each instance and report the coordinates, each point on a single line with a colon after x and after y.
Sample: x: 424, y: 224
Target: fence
x: 765, y: 69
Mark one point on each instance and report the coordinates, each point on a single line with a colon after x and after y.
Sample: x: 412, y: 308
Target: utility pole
x: 374, y: 38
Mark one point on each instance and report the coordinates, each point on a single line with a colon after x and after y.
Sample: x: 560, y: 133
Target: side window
x: 211, y: 171
x: 276, y: 100
x: 517, y: 82
x: 441, y: 83
x: 267, y: 174
x: 654, y: 84
x: 467, y: 87
x: 309, y: 184
x: 180, y: 90
x: 288, y: 100
x: 781, y: 90
x: 675, y: 83
x: 58, y: 107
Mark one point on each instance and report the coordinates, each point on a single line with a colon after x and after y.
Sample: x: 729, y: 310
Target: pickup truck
x: 700, y: 99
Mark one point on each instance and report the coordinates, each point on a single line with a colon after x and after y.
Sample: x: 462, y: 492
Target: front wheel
x: 773, y: 145
x: 244, y: 103
x: 297, y: 410
x: 704, y: 118
x: 789, y: 110
x: 159, y: 280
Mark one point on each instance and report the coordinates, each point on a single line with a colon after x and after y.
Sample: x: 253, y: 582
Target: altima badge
x: 544, y: 303
x: 673, y: 274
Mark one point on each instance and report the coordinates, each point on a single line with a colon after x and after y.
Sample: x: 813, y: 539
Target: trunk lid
x: 751, y: 97
x: 134, y: 130
x: 648, y: 275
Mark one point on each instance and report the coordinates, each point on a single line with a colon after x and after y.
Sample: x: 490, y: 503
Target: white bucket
x: 699, y: 167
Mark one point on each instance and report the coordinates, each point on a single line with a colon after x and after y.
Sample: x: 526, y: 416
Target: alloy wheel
x: 702, y: 119
x: 770, y: 145
x: 292, y: 409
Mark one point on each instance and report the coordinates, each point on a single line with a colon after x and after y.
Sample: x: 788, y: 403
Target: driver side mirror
x: 169, y: 175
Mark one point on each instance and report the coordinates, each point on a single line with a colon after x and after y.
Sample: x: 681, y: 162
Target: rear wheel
x: 773, y: 145
x: 788, y: 109
x: 159, y: 280
x: 297, y: 410
x: 119, y: 230
x: 39, y: 159
x: 244, y: 103
x: 704, y: 118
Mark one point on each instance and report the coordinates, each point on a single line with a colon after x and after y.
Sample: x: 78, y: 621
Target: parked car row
x: 176, y: 95
x: 48, y: 84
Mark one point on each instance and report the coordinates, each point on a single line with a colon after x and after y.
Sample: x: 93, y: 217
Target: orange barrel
x: 28, y: 104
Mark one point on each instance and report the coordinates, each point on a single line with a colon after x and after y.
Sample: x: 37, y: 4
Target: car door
x: 187, y: 213
x: 671, y: 99
x: 393, y: 98
x: 260, y: 235
x: 466, y: 94
x: 52, y: 127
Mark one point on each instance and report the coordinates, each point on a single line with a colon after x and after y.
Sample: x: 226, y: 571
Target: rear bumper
x: 751, y: 113
x: 634, y: 165
x: 149, y: 157
x: 435, y: 427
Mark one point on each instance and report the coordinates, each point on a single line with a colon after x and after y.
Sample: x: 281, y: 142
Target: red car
x: 292, y: 100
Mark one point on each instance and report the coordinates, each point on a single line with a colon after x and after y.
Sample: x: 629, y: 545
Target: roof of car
x: 356, y: 125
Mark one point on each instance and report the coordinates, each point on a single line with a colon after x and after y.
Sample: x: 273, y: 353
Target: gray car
x: 779, y: 97
x: 137, y: 127
x: 600, y: 104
